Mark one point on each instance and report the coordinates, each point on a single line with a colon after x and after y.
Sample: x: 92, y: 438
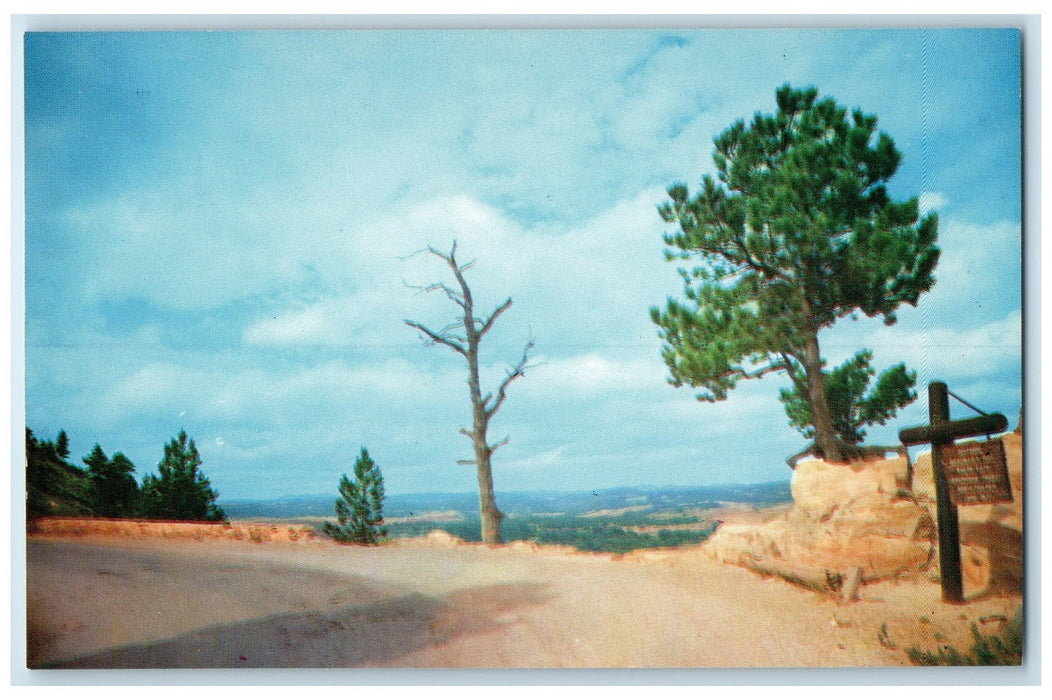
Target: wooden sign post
x: 941, y: 433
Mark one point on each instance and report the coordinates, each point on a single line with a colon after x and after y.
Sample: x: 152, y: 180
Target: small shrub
x: 884, y: 638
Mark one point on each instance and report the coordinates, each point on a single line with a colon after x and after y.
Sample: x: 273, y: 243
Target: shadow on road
x: 374, y: 634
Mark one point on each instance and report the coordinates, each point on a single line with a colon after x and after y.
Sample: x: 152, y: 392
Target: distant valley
x: 608, y: 520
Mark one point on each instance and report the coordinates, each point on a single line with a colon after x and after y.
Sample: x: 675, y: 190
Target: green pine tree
x: 180, y: 490
x: 114, y: 492
x: 62, y: 445
x: 795, y: 232
x: 359, y: 509
x: 97, y: 463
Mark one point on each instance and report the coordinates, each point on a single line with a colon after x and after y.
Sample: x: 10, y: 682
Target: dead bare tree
x: 463, y: 337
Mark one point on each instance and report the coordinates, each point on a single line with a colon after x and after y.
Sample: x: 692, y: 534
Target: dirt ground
x: 151, y: 602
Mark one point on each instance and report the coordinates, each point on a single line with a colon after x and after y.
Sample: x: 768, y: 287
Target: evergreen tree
x: 180, y: 491
x: 97, y: 460
x: 97, y: 463
x: 62, y: 445
x: 114, y: 492
x: 851, y: 408
x: 126, y: 489
x: 796, y: 231
x: 359, y: 509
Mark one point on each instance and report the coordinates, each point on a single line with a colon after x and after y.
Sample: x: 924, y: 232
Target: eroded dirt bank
x: 119, y: 602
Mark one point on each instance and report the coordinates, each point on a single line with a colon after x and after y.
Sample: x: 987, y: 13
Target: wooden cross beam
x: 943, y: 431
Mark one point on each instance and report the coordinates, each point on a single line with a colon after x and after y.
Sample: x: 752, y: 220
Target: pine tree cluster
x: 107, y: 487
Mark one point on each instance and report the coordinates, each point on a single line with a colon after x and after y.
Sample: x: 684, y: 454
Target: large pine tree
x: 796, y: 231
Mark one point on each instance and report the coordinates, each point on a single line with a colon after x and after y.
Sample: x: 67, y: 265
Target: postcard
x: 663, y: 347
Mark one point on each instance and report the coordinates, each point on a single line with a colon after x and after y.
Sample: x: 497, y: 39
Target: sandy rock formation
x: 843, y: 517
x: 879, y: 516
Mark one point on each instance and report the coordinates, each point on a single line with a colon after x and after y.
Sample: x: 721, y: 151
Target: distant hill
x: 525, y: 502
x: 610, y: 520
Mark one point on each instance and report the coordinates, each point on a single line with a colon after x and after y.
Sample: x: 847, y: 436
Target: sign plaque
x: 972, y: 469
x: 977, y: 472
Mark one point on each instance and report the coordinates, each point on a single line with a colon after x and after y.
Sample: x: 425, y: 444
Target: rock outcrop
x: 843, y: 517
x: 878, y: 516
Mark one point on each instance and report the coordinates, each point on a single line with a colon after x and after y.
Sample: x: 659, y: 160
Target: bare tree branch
x: 454, y: 296
x: 493, y: 317
x: 437, y: 338
x: 462, y: 299
x: 406, y: 258
x: 451, y: 293
x: 448, y: 332
x: 430, y: 249
x: 519, y: 371
x: 467, y: 303
x: 501, y: 443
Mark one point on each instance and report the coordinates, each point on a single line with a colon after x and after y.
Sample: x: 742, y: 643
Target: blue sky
x: 217, y: 225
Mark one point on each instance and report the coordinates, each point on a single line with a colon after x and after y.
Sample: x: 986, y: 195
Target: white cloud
x: 969, y: 323
x: 591, y: 284
x: 956, y: 352
x: 581, y: 286
x: 980, y: 266
x: 304, y: 325
x: 554, y: 457
x: 335, y: 322
x: 216, y: 394
x: 159, y: 387
x: 152, y: 244
x: 931, y: 202
x: 593, y: 373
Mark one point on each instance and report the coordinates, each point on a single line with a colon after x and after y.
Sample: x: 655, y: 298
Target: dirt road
x: 148, y: 603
